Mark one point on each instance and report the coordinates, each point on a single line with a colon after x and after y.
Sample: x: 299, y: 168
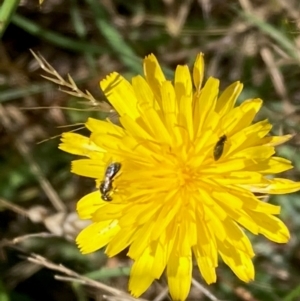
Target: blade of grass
x: 274, y: 33
x: 54, y: 38
x: 81, y: 31
x: 3, y: 293
x: 15, y: 93
x: 106, y: 273
x: 7, y: 10
x: 116, y: 41
x: 293, y: 295
x: 114, y: 38
x: 76, y: 19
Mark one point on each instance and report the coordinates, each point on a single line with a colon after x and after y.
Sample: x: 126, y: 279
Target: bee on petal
x: 106, y: 185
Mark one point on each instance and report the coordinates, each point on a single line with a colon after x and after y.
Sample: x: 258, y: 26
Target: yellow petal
x: 120, y: 242
x: 88, y: 168
x: 237, y: 238
x: 241, y: 117
x: 155, y: 124
x: 87, y: 205
x: 179, y: 273
x: 279, y: 186
x: 277, y: 140
x: 205, y: 265
x: 120, y: 94
x: 154, y: 75
x: 239, y: 262
x: 228, y: 98
x: 140, y: 278
x: 104, y: 127
x: 96, y: 236
x: 271, y: 227
x: 183, y: 83
x: 205, y: 103
x: 169, y: 105
x: 79, y: 145
x: 161, y: 255
x: 198, y: 71
x: 143, y: 92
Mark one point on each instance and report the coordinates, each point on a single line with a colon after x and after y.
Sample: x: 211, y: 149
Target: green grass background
x: 256, y: 42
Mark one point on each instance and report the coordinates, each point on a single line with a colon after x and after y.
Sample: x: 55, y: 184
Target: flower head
x: 191, y: 164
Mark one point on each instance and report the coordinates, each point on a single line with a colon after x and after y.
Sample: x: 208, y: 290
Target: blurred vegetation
x: 256, y: 42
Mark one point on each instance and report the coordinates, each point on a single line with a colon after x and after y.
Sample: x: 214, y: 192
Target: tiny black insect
x: 218, y: 150
x: 106, y: 185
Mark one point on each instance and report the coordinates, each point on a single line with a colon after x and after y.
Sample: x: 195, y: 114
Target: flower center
x: 187, y: 177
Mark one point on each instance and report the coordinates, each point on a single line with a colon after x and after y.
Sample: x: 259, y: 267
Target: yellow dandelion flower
x: 178, y: 179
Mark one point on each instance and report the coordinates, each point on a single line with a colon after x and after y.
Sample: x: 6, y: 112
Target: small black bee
x: 218, y: 150
x: 106, y: 185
